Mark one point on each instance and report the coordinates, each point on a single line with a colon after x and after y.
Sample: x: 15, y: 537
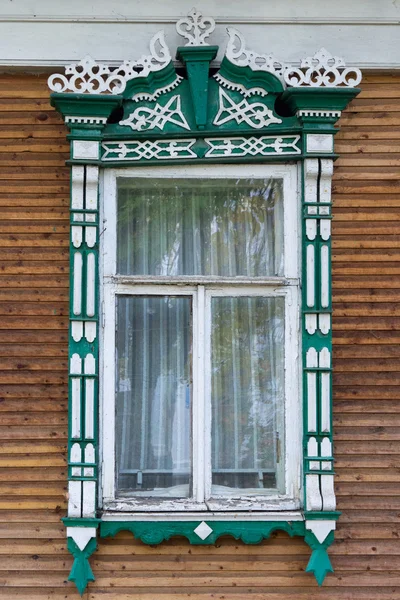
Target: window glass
x: 215, y: 227
x: 200, y: 382
x: 247, y: 393
x: 153, y: 395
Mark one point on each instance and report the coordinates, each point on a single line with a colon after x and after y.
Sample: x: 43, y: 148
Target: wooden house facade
x: 37, y: 300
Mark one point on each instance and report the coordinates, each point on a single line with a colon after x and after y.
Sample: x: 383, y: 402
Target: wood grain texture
x: 34, y: 199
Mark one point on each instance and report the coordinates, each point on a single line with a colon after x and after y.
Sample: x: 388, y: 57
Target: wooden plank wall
x: 34, y: 563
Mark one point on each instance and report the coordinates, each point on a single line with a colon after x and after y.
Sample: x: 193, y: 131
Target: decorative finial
x: 323, y: 70
x: 195, y: 28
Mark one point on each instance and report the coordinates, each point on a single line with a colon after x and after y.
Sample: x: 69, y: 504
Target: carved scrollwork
x: 237, y: 54
x: 322, y: 70
x: 88, y: 76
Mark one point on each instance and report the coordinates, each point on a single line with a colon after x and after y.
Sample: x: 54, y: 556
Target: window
x: 194, y: 348
x: 201, y: 403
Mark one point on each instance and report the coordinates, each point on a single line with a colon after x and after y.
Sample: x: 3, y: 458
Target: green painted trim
x: 197, y: 61
x: 85, y: 105
x: 321, y: 98
x: 319, y: 563
x: 83, y: 522
x: 188, y: 54
x: 332, y: 515
x: 81, y: 572
x: 209, y: 133
x: 84, y: 347
x: 84, y: 133
x: 155, y: 532
x: 249, y: 532
x: 248, y: 78
x: 155, y: 80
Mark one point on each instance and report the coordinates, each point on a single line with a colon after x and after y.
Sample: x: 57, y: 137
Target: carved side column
x: 320, y: 503
x: 84, y: 362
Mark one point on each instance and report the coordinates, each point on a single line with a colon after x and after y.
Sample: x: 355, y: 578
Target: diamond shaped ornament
x: 203, y: 530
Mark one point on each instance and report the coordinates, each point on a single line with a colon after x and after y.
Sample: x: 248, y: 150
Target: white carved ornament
x: 319, y: 70
x: 88, y: 76
x: 195, y: 28
x: 217, y: 147
x: 256, y: 114
x: 237, y: 54
x: 145, y: 119
x: 88, y: 120
x: 252, y: 146
x: 203, y: 530
x: 238, y: 87
x: 322, y: 69
x: 149, y: 149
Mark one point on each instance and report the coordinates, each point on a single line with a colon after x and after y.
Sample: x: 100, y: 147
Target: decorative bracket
x: 81, y: 543
x: 197, y: 61
x: 319, y: 563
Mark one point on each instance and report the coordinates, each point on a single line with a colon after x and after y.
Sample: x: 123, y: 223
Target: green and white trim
x: 257, y: 110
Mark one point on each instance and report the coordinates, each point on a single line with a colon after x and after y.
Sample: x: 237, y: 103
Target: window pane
x: 153, y: 404
x: 247, y: 394
x: 225, y: 227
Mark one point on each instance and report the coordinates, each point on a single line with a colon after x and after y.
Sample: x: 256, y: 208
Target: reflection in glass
x: 247, y: 394
x: 213, y: 227
x: 153, y: 412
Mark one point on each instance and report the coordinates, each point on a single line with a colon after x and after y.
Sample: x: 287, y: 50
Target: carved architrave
x: 255, y: 109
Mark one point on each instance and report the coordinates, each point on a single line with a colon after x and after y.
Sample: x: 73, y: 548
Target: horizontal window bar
x: 201, y: 280
x: 165, y: 471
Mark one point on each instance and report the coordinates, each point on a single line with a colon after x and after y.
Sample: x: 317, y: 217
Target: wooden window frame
x: 201, y: 289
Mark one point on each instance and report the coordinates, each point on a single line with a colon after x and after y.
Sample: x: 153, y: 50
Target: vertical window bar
x: 146, y: 371
x: 199, y: 471
x: 125, y: 441
x: 145, y: 387
x: 253, y: 343
x: 274, y: 426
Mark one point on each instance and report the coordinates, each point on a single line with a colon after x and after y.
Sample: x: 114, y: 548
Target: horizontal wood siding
x: 34, y: 563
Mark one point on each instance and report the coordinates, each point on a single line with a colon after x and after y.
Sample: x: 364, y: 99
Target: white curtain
x: 153, y: 407
x: 247, y: 392
x: 214, y: 227
x: 199, y: 227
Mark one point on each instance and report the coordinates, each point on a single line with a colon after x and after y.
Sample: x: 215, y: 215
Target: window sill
x: 295, y: 515
x: 218, y: 505
x: 154, y: 530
